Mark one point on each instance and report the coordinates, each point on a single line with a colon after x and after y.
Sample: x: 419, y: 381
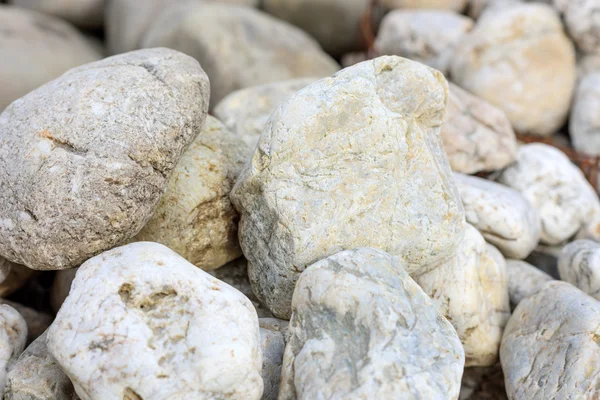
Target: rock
x: 558, y: 190
x: 579, y: 264
x: 550, y: 345
x: 245, y: 112
x: 238, y: 46
x: 428, y: 37
x: 524, y: 280
x: 195, y: 217
x: 456, y: 5
x: 477, y: 7
x: 142, y: 322
x: 584, y: 124
x: 503, y: 216
x: 519, y: 59
x: 13, y: 336
x: 83, y: 13
x: 349, y: 161
x: 476, y: 135
x: 272, y: 337
x: 471, y: 290
x: 362, y: 328
x: 590, y: 63
x: 35, y: 49
x: 37, y: 376
x: 581, y: 21
x: 86, y: 157
x: 60, y: 287
x: 37, y: 321
x: 16, y: 276
x: 483, y: 383
x: 545, y: 258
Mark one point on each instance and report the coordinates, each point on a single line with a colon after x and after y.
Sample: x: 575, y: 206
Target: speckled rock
x: 519, y: 59
x: 550, y: 345
x: 272, y: 338
x: 563, y: 197
x: 584, y: 124
x: 503, y: 216
x: 37, y: 321
x: 238, y: 46
x: 582, y: 23
x: 85, y: 159
x: 349, y: 161
x: 246, y: 112
x: 476, y: 135
x: 456, y: 5
x: 83, y: 13
x: 15, y: 277
x: 579, y: 264
x: 142, y: 322
x: 483, y: 383
x: 34, y: 49
x: 524, y: 280
x: 361, y: 328
x: 471, y: 290
x: 428, y: 36
x: 13, y: 336
x: 60, y: 287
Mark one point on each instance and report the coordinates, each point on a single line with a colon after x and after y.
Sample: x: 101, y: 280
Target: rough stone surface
x: 15, y: 277
x: 503, y: 216
x: 195, y: 217
x: 361, y: 328
x: 456, y: 5
x: 141, y: 322
x: 272, y: 337
x: 476, y: 135
x: 483, y: 383
x: 563, y: 197
x: 550, y: 345
x: 524, y: 280
x: 37, y: 321
x: 428, y: 36
x: 582, y: 22
x: 246, y: 112
x: 579, y: 264
x: 239, y: 46
x: 34, y: 49
x: 352, y: 160
x: 60, y: 287
x: 83, y: 13
x: 85, y: 159
x: 471, y: 290
x: 584, y: 124
x: 519, y: 59
x: 13, y: 336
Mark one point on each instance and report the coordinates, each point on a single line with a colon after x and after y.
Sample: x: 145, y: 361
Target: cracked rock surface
x: 524, y: 280
x: 13, y: 337
x: 579, y: 264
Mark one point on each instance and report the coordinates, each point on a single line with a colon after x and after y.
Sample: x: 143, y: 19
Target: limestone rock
x: 83, y: 13
x: 524, y: 280
x: 428, y: 36
x: 471, y: 290
x: 476, y: 135
x: 456, y: 5
x: 563, y: 197
x: 483, y: 383
x: 584, y: 124
x: 349, y: 161
x: 503, y: 216
x: 362, y: 328
x: 60, y: 287
x: 37, y: 322
x: 15, y: 277
x: 519, y: 59
x: 35, y: 49
x: 13, y: 336
x: 85, y: 159
x: 142, y: 322
x: 581, y: 21
x: 272, y: 337
x: 238, y: 46
x: 550, y: 345
x: 579, y: 264
x: 246, y: 112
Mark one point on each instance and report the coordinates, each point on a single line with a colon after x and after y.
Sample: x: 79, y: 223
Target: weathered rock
x: 35, y: 49
x: 83, y: 13
x: 349, y: 161
x: 238, y: 46
x: 563, y: 197
x: 584, y: 124
x: 272, y: 337
x: 37, y: 376
x: 246, y: 112
x: 85, y: 159
x: 37, y: 321
x: 456, y: 5
x: 471, y: 290
x: 142, y: 322
x: 579, y: 264
x: 503, y: 216
x: 428, y: 37
x: 483, y: 383
x: 357, y: 317
x: 550, y: 345
x: 195, y: 217
x: 519, y: 59
x: 15, y: 276
x: 13, y: 336
x: 582, y: 23
x: 476, y: 135
x: 60, y: 287
x: 524, y: 280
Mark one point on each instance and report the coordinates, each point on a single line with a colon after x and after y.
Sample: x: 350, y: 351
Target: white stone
x: 13, y: 336
x: 579, y: 264
x: 524, y: 280
x: 37, y: 321
x: 584, y: 124
x: 582, y: 22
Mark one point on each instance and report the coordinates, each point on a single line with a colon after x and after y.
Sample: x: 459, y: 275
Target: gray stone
x: 83, y: 13
x: 61, y: 287
x: 272, y: 337
x: 579, y: 264
x: 37, y: 321
x: 15, y: 277
x: 524, y: 280
x: 13, y: 337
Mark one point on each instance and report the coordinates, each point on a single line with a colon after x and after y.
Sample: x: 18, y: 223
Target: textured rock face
x: 349, y: 161
x: 584, y: 124
x: 35, y: 49
x: 195, y: 217
x: 471, y: 290
x: 550, y: 345
x: 37, y: 322
x: 476, y: 135
x: 272, y: 342
x: 456, y: 5
x: 579, y: 264
x: 83, y: 13
x: 429, y: 37
x: 246, y: 112
x: 582, y: 23
x: 555, y: 187
x: 14, y: 277
x: 239, y: 46
x: 142, y: 322
x: 519, y: 59
x: 357, y: 316
x: 524, y: 280
x: 13, y: 336
x: 85, y: 158
x: 503, y: 216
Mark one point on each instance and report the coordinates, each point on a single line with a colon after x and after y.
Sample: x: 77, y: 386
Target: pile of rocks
x: 372, y: 232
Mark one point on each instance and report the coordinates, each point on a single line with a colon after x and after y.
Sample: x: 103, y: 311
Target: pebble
x: 13, y: 337
x: 524, y: 280
x: 579, y: 264
x: 83, y: 13
x: 584, y: 124
x: 581, y: 21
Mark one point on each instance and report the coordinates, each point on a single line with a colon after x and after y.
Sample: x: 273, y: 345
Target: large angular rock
x: 524, y: 280
x: 352, y: 160
x: 456, y: 5
x: 238, y: 46
x: 581, y: 21
x: 579, y: 264
x: 142, y: 322
x: 13, y: 336
x: 519, y: 59
x: 362, y: 328
x: 35, y: 49
x: 85, y: 159
x: 272, y: 339
x: 584, y: 123
x: 550, y: 345
x: 83, y: 13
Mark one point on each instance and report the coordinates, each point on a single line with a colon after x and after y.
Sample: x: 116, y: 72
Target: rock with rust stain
x: 13, y: 337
